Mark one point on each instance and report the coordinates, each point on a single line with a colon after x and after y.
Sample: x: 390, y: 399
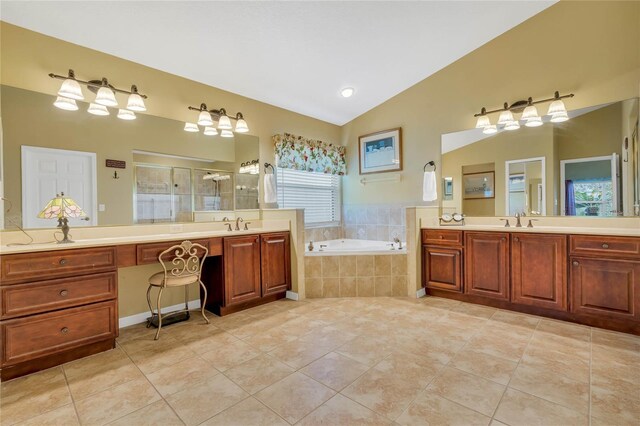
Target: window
x: 317, y: 193
x: 594, y: 198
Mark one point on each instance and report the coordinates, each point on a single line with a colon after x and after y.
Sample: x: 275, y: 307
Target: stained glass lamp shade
x: 62, y: 208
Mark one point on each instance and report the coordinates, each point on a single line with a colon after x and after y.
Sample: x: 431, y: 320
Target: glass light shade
x: 106, y: 97
x: 204, y: 119
x: 136, y: 103
x: 96, y: 109
x: 226, y: 133
x: 483, y: 121
x: 125, y: 114
x: 559, y: 117
x: 534, y: 122
x: 512, y: 125
x: 255, y: 169
x: 505, y: 117
x: 191, y: 127
x: 529, y: 112
x: 61, y: 206
x: 224, y: 123
x: 557, y: 107
x: 490, y: 129
x: 65, y: 104
x: 71, y: 89
x: 241, y: 126
x: 210, y: 131
x: 243, y: 170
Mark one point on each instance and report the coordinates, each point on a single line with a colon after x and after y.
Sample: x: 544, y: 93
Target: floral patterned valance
x: 299, y: 153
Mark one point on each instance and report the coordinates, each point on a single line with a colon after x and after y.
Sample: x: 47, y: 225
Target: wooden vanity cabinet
x: 486, y: 264
x: 275, y: 263
x: 442, y: 260
x: 241, y: 269
x: 539, y: 270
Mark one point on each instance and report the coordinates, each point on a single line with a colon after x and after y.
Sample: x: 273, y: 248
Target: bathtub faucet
x: 397, y: 240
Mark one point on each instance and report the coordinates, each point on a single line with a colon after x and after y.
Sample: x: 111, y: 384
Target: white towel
x: 429, y: 187
x: 270, y: 192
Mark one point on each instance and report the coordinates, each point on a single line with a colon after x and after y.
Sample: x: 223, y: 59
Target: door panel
x: 442, y: 268
x: 486, y: 264
x: 241, y: 269
x: 275, y: 263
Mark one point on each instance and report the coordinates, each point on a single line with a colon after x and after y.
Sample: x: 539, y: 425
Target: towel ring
x: 430, y: 163
x: 267, y: 166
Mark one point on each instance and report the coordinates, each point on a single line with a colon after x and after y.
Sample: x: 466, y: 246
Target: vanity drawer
x: 56, y: 264
x: 28, y: 338
x: 605, y: 246
x: 32, y: 298
x: 148, y: 253
x: 441, y: 237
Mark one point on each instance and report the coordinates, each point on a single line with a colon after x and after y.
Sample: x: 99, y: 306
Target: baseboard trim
x: 292, y: 295
x: 421, y: 293
x: 142, y: 317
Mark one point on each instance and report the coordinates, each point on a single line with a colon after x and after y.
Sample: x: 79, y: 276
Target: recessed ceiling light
x: 347, y: 92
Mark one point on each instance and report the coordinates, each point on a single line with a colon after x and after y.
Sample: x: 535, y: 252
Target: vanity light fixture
x: 250, y: 167
x: 97, y: 109
x: 530, y: 116
x: 66, y: 104
x: 105, y: 93
x: 218, y: 119
x: 125, y: 114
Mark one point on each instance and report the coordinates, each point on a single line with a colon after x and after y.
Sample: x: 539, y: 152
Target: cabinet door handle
x: 605, y: 245
x: 503, y: 239
x: 516, y: 239
x: 63, y: 293
x: 576, y: 263
x: 64, y: 330
x: 62, y: 262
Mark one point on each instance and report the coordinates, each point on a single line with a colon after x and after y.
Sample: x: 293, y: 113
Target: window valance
x: 299, y: 153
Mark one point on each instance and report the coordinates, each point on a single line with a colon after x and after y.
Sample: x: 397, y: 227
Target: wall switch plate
x: 101, y: 207
x: 175, y: 228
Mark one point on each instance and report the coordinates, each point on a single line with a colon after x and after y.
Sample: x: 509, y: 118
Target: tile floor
x: 345, y: 361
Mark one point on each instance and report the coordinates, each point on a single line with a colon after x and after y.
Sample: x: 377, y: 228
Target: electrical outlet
x: 101, y: 207
x: 175, y: 228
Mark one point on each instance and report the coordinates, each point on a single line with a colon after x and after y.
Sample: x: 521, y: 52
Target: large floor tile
x: 366, y: 350
x: 295, y: 396
x: 115, y: 402
x: 490, y: 367
x: 615, y: 405
x: 258, y: 373
x: 519, y: 408
x: 473, y: 392
x: 164, y: 354
x: 431, y: 409
x: 334, y: 370
x: 63, y: 416
x: 158, y: 413
x: 248, y: 412
x: 341, y: 411
x: 174, y: 378
x: 230, y: 355
x: 204, y: 400
x: 297, y: 354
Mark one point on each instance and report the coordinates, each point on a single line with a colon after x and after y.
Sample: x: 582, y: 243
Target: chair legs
x: 150, y: 307
x: 159, y: 314
x: 204, y: 300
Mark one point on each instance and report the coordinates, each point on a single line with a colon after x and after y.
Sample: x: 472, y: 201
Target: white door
x: 47, y: 172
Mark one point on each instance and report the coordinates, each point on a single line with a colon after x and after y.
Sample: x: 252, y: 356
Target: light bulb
x: 241, y: 126
x: 512, y: 125
x: 483, y: 121
x: 125, y: 114
x: 534, y: 122
x: 71, y: 89
x: 204, y: 118
x: 191, y: 127
x: 136, y: 103
x: 106, y: 97
x: 559, y: 117
x: 347, y: 92
x: 210, y: 131
x: 96, y: 109
x: 224, y: 123
x: 65, y: 104
x: 505, y: 117
x: 490, y: 129
x: 556, y: 107
x: 226, y: 133
x: 529, y: 112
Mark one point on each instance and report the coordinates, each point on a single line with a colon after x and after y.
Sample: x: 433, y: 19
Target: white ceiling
x: 295, y: 55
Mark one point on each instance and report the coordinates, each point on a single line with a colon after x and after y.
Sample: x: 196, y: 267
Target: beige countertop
x: 135, y: 239
x: 581, y: 230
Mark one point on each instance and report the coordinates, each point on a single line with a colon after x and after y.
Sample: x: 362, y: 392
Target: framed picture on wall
x: 478, y: 185
x: 381, y: 151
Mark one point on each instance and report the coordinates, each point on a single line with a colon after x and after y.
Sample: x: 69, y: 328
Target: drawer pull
x: 576, y: 263
x: 441, y: 237
x: 605, y: 245
x: 63, y: 293
x: 64, y: 330
x: 62, y: 262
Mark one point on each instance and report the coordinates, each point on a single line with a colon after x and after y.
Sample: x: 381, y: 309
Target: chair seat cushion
x: 158, y: 278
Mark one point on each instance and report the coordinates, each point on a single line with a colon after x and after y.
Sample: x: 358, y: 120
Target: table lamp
x: 62, y: 208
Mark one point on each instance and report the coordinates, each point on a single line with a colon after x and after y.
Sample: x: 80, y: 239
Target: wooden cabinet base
x: 226, y: 310
x: 585, y: 319
x: 12, y: 371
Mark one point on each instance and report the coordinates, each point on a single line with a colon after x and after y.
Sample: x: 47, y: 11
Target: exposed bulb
x: 65, y: 104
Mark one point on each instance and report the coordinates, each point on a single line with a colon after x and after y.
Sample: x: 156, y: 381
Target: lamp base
x: 63, y: 224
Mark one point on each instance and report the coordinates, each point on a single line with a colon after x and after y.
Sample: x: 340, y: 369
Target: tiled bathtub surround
x: 382, y: 222
x: 322, y: 234
x: 351, y: 276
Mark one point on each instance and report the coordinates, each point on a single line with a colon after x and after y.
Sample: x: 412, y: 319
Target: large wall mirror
x: 169, y: 174
x: 586, y: 166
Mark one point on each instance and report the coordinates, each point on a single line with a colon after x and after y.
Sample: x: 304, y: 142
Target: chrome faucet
x: 238, y: 220
x: 518, y: 216
x: 228, y: 226
x: 397, y: 241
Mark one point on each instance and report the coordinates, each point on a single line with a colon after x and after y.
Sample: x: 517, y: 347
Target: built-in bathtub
x: 355, y: 268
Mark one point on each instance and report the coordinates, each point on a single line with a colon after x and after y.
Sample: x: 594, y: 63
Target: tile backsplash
x: 382, y: 222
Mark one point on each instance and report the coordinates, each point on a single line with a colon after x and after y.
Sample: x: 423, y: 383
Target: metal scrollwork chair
x: 182, y: 267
